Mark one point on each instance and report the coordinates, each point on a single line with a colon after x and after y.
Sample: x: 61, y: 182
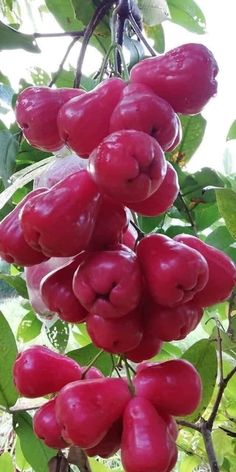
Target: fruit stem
x: 114, y: 47
x: 92, y: 362
x: 140, y: 35
x: 129, y: 378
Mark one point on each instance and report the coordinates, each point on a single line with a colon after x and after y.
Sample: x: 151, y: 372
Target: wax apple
x: 57, y: 293
x: 222, y: 271
x: 162, y: 199
x: 86, y: 410
x: 36, y: 113
x: 173, y: 274
x: 173, y: 386
x: 60, y: 221
x: 128, y: 165
x: 146, y: 444
x: 84, y: 121
x: 58, y: 169
x: 110, y: 444
x: 13, y: 246
x: 184, y: 77
x: 38, y: 371
x: 47, y: 428
x: 109, y: 283
x: 142, y: 110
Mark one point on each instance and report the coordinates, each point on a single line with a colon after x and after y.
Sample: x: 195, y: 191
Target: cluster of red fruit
x: 102, y: 415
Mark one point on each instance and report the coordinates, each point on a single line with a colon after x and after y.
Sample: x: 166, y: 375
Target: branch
x: 222, y: 386
x: 206, y: 433
x: 96, y: 18
x: 77, y: 34
x: 188, y: 213
x: 78, y: 457
x: 187, y: 424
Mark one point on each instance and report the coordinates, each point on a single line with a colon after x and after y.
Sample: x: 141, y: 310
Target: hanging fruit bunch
x: 87, y: 261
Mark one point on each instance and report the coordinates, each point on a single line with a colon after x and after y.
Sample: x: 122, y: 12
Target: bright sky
x: 220, y: 38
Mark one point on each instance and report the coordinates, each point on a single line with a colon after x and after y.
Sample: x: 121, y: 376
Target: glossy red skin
x: 222, y: 272
x: 128, y: 165
x: 146, y: 444
x: 36, y: 113
x: 129, y: 237
x: 111, y: 222
x: 173, y: 275
x: 110, y: 444
x: 84, y: 121
x: 86, y: 410
x: 142, y: 110
x: 173, y: 324
x: 58, y: 296
x: 115, y: 335
x: 60, y: 168
x: 60, y: 222
x: 92, y: 373
x: 178, y: 137
x: 33, y: 277
x: 109, y: 283
x: 172, y: 426
x: 162, y: 199
x: 184, y: 77
x: 47, y: 428
x: 173, y: 387
x: 13, y: 246
x: 38, y: 371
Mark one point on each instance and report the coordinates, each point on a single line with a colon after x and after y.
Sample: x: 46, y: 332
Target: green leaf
x: 17, y: 283
x: 12, y: 39
x: 34, y: 451
x: 222, y: 445
x: 157, y: 34
x: 58, y: 335
x: 154, y: 12
x: 6, y: 462
x: 64, y: 14
x: 193, y: 132
x: 226, y: 201
x: 98, y: 466
x: 21, y: 461
x: 203, y: 357
x: 9, y: 148
x: 149, y: 224
x: 6, y: 94
x: 205, y: 215
x: 232, y: 132
x: 8, y: 394
x: 39, y: 76
x: 189, y: 463
x: 29, y: 328
x: 187, y: 14
x: 86, y: 354
x: 220, y: 238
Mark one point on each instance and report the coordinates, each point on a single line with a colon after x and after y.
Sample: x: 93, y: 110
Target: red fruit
x: 140, y: 109
x: 162, y: 199
x: 38, y: 371
x: 58, y: 296
x: 47, y: 428
x: 146, y: 444
x: 178, y: 136
x: 13, y: 246
x: 173, y: 387
x: 33, y: 277
x: 171, y: 324
x: 84, y: 121
x: 128, y: 165
x: 86, y: 410
x: 129, y: 237
x: 171, y: 425
x: 60, y: 221
x: 116, y: 335
x: 222, y: 272
x: 109, y: 283
x: 111, y: 222
x: 59, y: 168
x: 92, y: 373
x: 110, y: 444
x: 36, y: 113
x: 172, y: 273
x: 184, y: 77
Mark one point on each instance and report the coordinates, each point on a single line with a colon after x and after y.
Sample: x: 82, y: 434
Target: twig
x: 60, y: 68
x: 77, y: 34
x: 140, y: 35
x: 188, y: 424
x: 188, y: 213
x: 206, y: 433
x: 222, y: 386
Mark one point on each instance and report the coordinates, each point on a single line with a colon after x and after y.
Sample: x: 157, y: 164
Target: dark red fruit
x: 184, y: 77
x: 110, y: 444
x: 38, y: 371
x: 47, y: 428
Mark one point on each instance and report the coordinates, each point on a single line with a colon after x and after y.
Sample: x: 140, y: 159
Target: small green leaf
x: 203, y: 357
x: 205, y: 215
x: 39, y: 76
x: 34, y: 451
x: 21, y: 461
x: 17, y: 283
x: 6, y: 462
x: 187, y: 14
x: 189, y: 463
x: 154, y: 12
x: 220, y: 238
x: 29, y: 328
x: 98, y: 466
x: 86, y: 354
x: 149, y: 224
x: 12, y: 39
x: 8, y: 394
x: 9, y: 148
x: 157, y: 34
x: 58, y: 335
x: 226, y: 201
x: 193, y: 132
x: 232, y: 132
